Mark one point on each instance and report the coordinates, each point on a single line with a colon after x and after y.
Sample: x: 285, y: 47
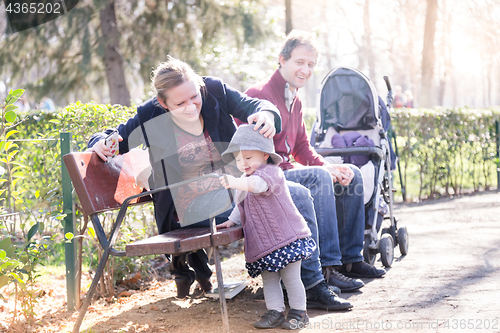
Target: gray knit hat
x: 246, y: 138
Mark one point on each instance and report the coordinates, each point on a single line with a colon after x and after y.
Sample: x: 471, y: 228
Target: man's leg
x: 319, y: 294
x: 320, y: 184
x: 311, y: 268
x: 351, y: 224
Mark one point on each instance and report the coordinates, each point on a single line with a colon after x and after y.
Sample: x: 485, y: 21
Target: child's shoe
x: 295, y: 319
x: 270, y: 319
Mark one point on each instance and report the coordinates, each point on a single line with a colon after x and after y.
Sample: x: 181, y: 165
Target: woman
x: 186, y: 127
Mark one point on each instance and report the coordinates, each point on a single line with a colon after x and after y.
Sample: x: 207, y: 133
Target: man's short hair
x: 298, y: 38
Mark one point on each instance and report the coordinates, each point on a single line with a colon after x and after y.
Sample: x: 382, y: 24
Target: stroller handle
x: 390, y: 96
x: 387, y: 82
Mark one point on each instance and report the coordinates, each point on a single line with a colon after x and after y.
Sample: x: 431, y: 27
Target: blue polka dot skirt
x: 300, y: 249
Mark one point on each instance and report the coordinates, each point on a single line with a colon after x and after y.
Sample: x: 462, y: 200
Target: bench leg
x: 90, y: 293
x: 220, y: 280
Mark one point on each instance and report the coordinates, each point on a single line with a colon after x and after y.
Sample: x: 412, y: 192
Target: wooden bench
x: 107, y: 186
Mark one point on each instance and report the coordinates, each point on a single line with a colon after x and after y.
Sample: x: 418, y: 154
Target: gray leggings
x: 273, y: 293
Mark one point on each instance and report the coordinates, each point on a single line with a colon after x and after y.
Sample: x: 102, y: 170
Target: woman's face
x: 184, y: 102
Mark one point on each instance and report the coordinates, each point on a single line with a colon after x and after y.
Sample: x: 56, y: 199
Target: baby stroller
x: 351, y: 112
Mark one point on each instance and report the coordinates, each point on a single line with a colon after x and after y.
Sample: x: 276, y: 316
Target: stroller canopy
x: 348, y: 101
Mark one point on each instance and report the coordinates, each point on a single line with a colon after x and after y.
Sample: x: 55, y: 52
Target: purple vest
x: 270, y: 220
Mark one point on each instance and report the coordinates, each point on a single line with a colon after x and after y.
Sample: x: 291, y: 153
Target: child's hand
x: 227, y: 181
x: 227, y: 224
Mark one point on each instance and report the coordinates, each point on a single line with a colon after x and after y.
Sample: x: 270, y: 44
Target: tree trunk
x: 428, y: 55
x: 288, y: 14
x: 367, y: 41
x: 113, y: 60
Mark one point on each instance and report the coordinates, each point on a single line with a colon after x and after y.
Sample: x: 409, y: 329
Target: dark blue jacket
x: 152, y: 126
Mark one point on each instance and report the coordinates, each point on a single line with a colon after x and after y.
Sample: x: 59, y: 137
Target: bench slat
x: 183, y: 240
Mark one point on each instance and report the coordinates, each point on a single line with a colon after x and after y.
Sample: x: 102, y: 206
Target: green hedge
x: 446, y: 151
x: 43, y: 184
x: 35, y: 195
x: 441, y: 151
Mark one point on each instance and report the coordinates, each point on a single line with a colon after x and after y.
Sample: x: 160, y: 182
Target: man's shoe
x: 361, y: 269
x: 322, y: 297
x: 334, y: 289
x: 336, y: 279
x: 295, y: 319
x: 270, y: 319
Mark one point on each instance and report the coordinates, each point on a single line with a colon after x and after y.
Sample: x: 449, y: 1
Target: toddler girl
x: 276, y: 235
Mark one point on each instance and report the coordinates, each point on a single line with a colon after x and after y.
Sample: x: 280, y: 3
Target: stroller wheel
x: 403, y: 240
x: 386, y: 248
x: 368, y: 253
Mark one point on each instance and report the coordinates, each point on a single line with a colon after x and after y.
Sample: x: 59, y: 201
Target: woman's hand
x: 227, y: 224
x: 101, y: 149
x: 265, y: 118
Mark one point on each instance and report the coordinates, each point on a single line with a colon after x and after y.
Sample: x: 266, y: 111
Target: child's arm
x: 234, y: 218
x: 227, y: 224
x: 253, y: 183
x: 246, y: 184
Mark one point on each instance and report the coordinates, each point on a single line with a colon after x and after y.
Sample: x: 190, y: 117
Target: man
x: 340, y: 226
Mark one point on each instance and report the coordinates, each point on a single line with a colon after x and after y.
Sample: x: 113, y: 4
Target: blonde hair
x: 172, y: 73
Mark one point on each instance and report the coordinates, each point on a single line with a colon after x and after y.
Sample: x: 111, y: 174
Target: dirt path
x: 448, y: 282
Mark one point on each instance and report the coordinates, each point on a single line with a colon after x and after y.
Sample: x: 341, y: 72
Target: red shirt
x: 293, y: 139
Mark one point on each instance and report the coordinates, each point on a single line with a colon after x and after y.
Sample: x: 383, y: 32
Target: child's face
x: 248, y: 161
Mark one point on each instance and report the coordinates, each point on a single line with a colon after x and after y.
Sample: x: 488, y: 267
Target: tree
x: 288, y: 15
x: 485, y: 17
x: 77, y: 55
x: 113, y: 60
x: 367, y: 54
x: 428, y: 55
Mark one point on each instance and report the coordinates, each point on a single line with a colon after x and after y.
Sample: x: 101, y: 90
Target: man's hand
x: 227, y: 224
x: 102, y: 150
x: 265, y: 118
x: 340, y: 173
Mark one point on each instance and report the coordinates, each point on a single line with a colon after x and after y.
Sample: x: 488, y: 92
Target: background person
x: 409, y: 99
x: 399, y: 99
x: 47, y: 104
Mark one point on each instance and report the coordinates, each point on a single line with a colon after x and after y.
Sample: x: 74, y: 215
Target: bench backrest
x: 103, y: 186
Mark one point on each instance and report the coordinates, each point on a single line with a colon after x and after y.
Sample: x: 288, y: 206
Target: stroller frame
x: 389, y: 237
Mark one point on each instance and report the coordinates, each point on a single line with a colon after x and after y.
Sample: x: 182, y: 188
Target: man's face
x: 299, y: 68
